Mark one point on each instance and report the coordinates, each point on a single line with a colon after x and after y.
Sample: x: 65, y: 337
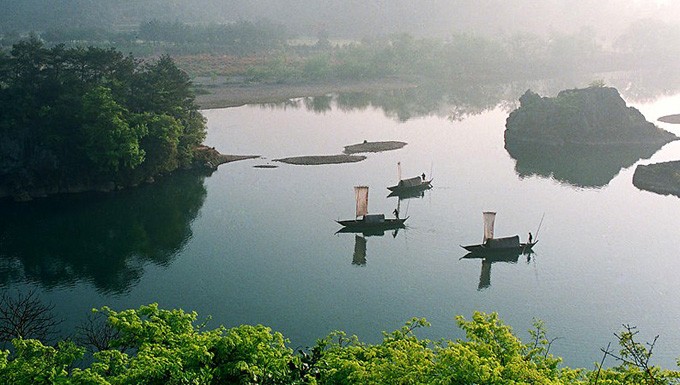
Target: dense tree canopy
x: 86, y: 116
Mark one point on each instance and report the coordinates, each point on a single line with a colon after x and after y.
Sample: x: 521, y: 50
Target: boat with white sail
x: 410, y: 185
x: 363, y: 220
x: 495, y: 246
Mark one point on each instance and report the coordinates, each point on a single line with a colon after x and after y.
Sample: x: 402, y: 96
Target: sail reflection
x: 103, y: 239
x: 360, y: 242
x: 359, y: 255
x: 488, y: 260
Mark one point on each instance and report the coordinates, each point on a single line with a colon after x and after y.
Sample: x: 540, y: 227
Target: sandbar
x: 672, y: 119
x: 313, y: 160
x: 373, y: 147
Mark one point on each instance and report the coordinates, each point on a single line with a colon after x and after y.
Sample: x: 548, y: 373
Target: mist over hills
x: 347, y: 18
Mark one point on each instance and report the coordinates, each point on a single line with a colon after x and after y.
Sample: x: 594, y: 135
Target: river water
x: 258, y: 245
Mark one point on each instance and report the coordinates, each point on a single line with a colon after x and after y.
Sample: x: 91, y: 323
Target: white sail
x: 361, y: 194
x: 489, y: 218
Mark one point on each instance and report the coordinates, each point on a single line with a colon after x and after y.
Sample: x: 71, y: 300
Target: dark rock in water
x: 660, y: 178
x: 588, y: 116
x: 208, y: 158
x: 583, y: 137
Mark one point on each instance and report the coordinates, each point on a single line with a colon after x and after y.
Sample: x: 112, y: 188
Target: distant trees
x: 270, y: 54
x: 244, y: 36
x: 459, y: 57
x: 90, y: 115
x: 236, y: 38
x: 650, y: 42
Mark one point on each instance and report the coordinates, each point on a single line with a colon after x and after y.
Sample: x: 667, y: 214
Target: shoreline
x: 220, y: 94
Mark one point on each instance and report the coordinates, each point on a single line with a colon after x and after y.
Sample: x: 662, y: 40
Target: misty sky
x: 351, y: 18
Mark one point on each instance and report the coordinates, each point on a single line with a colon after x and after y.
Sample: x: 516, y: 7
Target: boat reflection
x: 488, y: 260
x: 369, y: 232
x: 407, y: 194
x: 360, y: 241
x: 359, y: 255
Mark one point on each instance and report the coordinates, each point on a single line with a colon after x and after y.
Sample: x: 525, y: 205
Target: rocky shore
x: 209, y: 158
x: 206, y: 159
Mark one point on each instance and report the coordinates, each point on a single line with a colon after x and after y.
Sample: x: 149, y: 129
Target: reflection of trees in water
x: 580, y: 166
x: 319, y: 104
x: 641, y: 87
x: 102, y: 239
x: 456, y: 101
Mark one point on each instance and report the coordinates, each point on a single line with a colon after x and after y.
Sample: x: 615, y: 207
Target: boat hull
x: 483, y: 250
x: 405, y: 189
x: 360, y: 224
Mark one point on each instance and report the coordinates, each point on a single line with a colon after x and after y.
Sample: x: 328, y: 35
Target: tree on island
x: 79, y: 119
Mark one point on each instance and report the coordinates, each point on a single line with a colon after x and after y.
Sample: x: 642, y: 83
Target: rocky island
x: 582, y: 136
x: 594, y: 116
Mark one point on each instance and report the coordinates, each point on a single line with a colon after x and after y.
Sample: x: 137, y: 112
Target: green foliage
x: 400, y: 359
x: 167, y: 347
x: 156, y: 346
x: 109, y: 140
x: 491, y: 355
x: 252, y: 354
x: 161, y: 142
x: 494, y: 355
x: 87, y: 116
x: 33, y: 363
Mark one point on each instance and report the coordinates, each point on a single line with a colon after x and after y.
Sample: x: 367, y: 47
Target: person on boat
x: 423, y: 176
x: 396, y: 213
x: 530, y: 237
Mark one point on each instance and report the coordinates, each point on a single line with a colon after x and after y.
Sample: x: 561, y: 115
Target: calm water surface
x: 258, y: 245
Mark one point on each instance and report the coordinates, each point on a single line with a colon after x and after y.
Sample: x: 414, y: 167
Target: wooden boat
x: 498, y: 246
x: 365, y: 221
x: 410, y: 185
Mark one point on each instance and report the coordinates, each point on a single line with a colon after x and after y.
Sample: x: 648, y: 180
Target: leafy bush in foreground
x: 156, y: 346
